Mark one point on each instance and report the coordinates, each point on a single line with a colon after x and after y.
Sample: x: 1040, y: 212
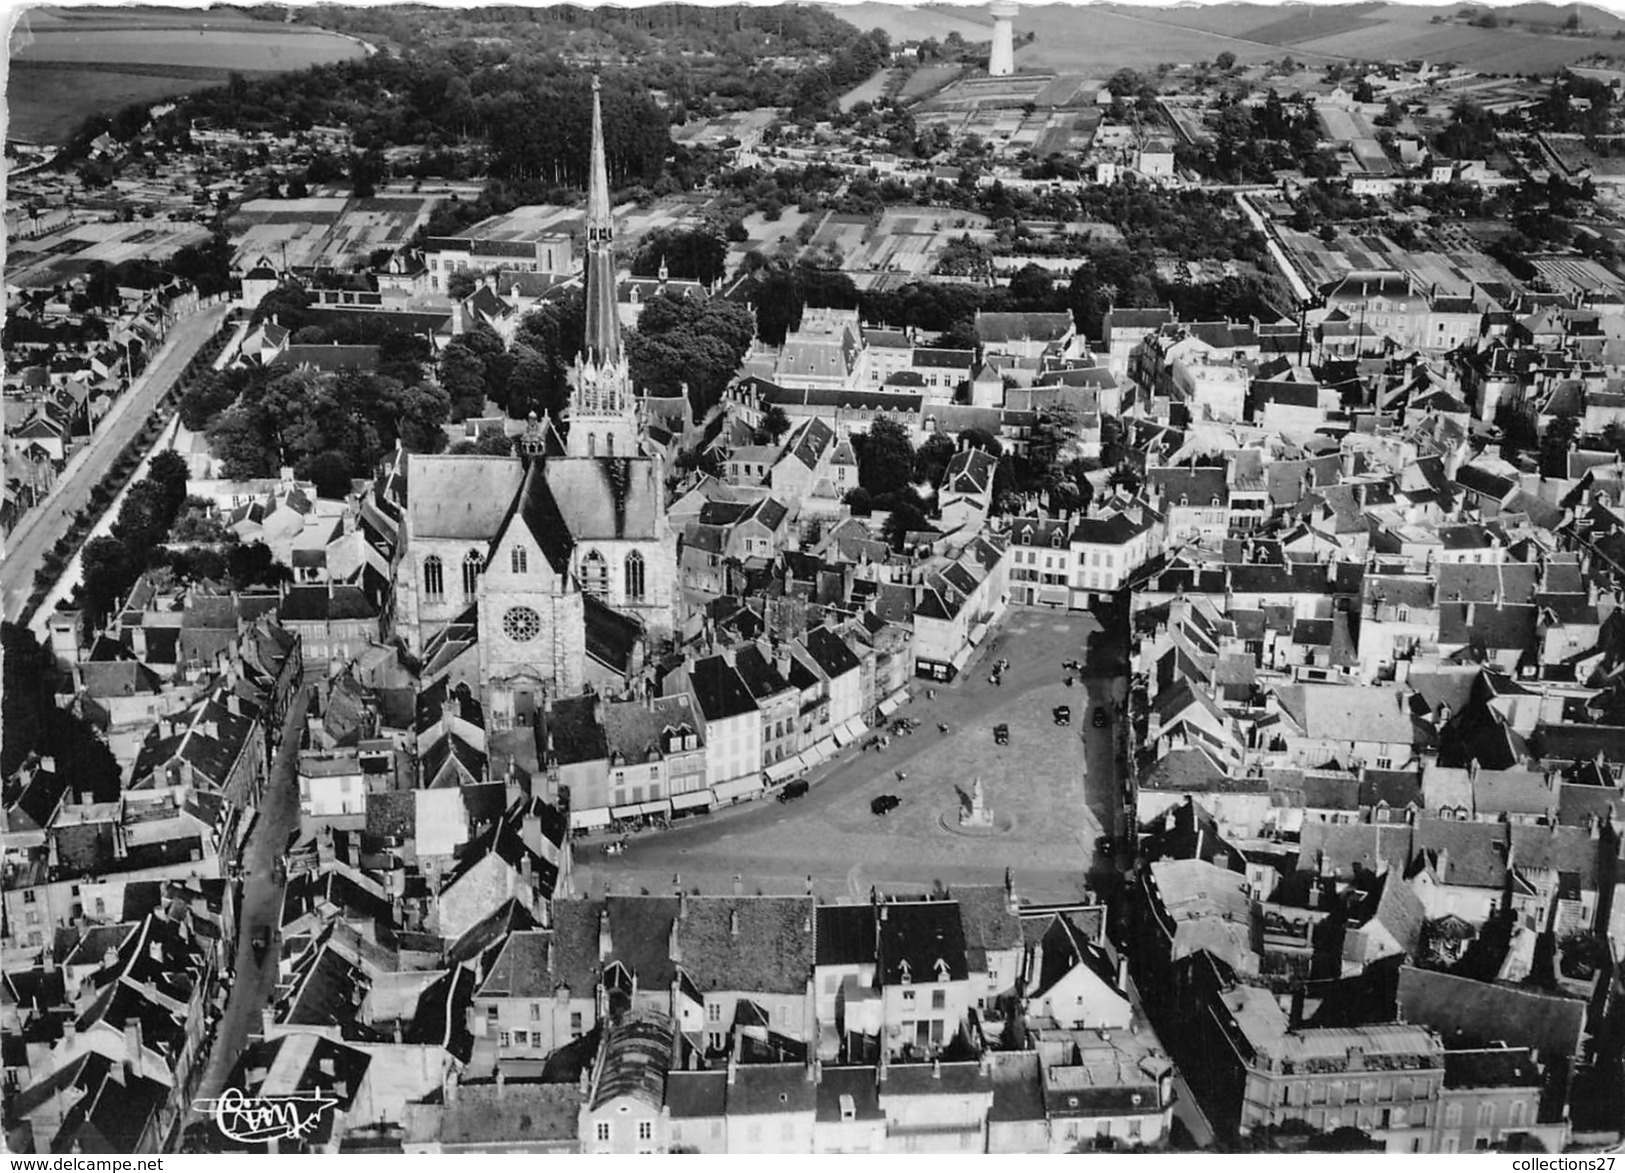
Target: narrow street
x: 27, y: 545
x: 262, y: 903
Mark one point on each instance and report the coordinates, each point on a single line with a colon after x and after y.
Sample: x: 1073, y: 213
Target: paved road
x: 27, y: 545
x: 262, y: 904
x: 1060, y: 806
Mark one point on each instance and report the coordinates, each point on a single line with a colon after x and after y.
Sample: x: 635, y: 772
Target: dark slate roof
x: 760, y: 944
x: 697, y: 1095
x: 846, y: 934
x: 507, y: 845
x: 719, y: 690
x: 325, y: 604
x: 916, y: 935
x: 1486, y: 1068
x: 856, y: 1082
x: 1465, y: 1012
x: 766, y: 1089
x: 571, y: 732
x: 830, y: 652
x: 760, y: 674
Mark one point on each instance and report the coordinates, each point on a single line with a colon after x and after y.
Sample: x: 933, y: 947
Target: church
x: 562, y: 559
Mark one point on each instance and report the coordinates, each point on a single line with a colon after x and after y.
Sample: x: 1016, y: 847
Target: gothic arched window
x: 595, y: 574
x: 592, y: 444
x: 472, y: 565
x: 434, y: 577
x: 634, y: 576
x: 609, y: 444
x: 520, y: 562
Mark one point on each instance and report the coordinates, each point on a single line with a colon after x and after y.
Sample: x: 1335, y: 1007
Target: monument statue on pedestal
x: 979, y: 813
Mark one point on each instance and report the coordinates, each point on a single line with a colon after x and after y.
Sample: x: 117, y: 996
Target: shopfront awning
x: 843, y: 737
x: 780, y: 771
x: 892, y: 703
x: 977, y: 634
x: 803, y: 761
x: 623, y: 812
x: 658, y: 809
x: 738, y: 788
x: 695, y: 800
x: 589, y: 819
x: 855, y: 728
x: 822, y: 751
x: 959, y: 660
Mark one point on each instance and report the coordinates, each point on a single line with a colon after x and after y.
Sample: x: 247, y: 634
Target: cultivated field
x: 1098, y: 40
x: 915, y: 24
x: 67, y: 64
x: 1379, y: 32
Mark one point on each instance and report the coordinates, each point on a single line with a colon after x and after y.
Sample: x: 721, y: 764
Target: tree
x: 1555, y: 445
x: 694, y: 342
x: 885, y: 458
x: 931, y: 461
x: 462, y: 283
x: 859, y: 501
x: 32, y: 722
x: 488, y: 443
x: 209, y: 394
x: 253, y: 564
x: 775, y: 422
x: 983, y: 439
x: 1226, y: 61
x: 329, y: 471
x: 905, y: 518
x: 462, y: 374
x: 694, y: 254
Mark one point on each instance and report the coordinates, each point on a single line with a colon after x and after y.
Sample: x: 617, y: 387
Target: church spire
x: 603, y: 337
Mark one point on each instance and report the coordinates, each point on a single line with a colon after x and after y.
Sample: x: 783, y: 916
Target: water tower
x: 1002, y: 61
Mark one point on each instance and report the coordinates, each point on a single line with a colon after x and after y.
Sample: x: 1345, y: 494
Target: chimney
x: 674, y: 947
x: 936, y: 1069
x: 132, y: 1045
x: 606, y: 949
x: 733, y: 923
x: 1295, y: 1018
x: 451, y: 1085
x: 267, y: 1021
x: 682, y: 904
x: 502, y: 1082
x: 739, y: 884
x: 809, y: 885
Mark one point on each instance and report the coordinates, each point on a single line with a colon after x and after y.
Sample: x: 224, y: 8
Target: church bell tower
x: 603, y: 413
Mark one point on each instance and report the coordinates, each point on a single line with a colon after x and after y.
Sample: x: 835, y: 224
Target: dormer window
x: 903, y: 974
x: 942, y: 970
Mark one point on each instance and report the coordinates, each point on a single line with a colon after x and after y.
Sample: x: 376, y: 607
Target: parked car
x: 1063, y: 714
x: 1100, y: 718
x: 793, y: 790
x: 261, y: 941
x: 1105, y: 845
x: 885, y: 804
x: 1001, y: 734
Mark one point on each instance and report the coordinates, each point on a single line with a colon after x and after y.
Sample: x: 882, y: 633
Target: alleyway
x: 262, y: 903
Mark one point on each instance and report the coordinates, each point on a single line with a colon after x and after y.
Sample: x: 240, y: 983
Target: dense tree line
x: 693, y: 342
x: 111, y: 564
x: 310, y: 420
x: 31, y: 722
x: 1249, y: 144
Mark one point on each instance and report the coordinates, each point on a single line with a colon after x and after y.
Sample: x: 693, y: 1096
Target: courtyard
x: 1050, y: 791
